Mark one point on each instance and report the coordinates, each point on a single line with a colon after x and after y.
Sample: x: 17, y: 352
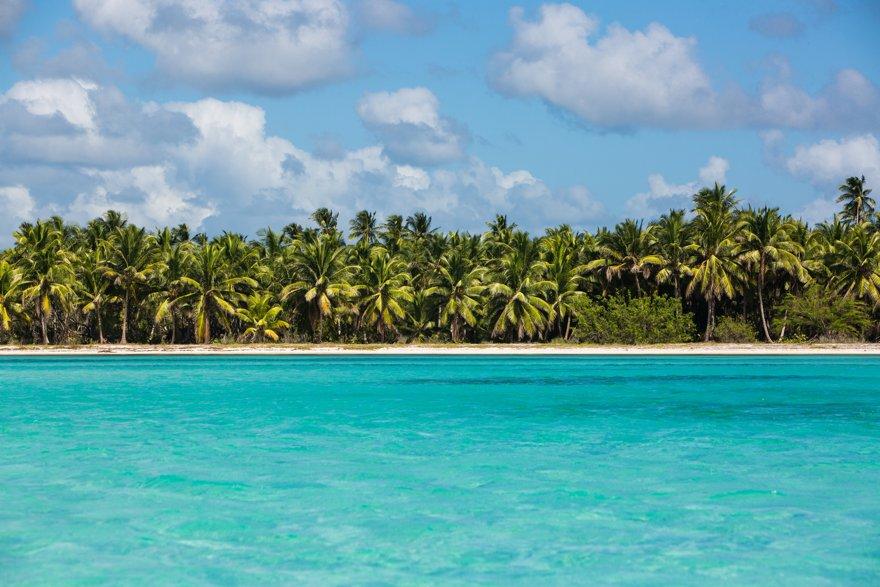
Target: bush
x: 618, y: 320
x: 730, y: 329
x: 821, y: 315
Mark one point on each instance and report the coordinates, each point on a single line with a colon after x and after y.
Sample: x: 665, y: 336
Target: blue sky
x: 241, y: 114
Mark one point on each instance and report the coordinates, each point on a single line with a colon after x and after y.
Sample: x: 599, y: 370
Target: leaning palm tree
x: 768, y: 249
x: 213, y: 290
x: 384, y: 283
x: 858, y: 205
x: 321, y: 279
x: 10, y: 295
x: 628, y: 250
x: 520, y: 288
x: 132, y: 261
x: 459, y: 289
x: 261, y: 317
x: 715, y: 272
x: 48, y: 273
x: 855, y: 264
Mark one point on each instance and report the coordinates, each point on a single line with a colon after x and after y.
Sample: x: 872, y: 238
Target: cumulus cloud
x: 662, y: 195
x: 10, y: 12
x: 392, y: 16
x: 214, y: 165
x: 409, y: 124
x: 272, y: 46
x: 624, y: 79
x: 776, y: 24
x: 829, y: 161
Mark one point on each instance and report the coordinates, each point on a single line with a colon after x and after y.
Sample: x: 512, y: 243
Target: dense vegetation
x: 403, y: 280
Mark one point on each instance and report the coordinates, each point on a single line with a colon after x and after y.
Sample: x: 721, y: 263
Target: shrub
x: 618, y: 320
x: 820, y: 315
x: 730, y: 329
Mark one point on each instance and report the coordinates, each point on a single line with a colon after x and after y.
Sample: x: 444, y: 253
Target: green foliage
x: 732, y: 329
x: 821, y: 315
x: 618, y: 320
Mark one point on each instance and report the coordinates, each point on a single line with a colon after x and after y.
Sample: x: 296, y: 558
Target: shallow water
x: 454, y: 470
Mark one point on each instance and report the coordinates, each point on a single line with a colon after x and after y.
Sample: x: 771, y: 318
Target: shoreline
x: 688, y: 349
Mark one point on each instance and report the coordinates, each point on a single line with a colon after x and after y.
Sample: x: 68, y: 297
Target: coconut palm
x: 566, y: 274
x: 363, y: 228
x: 715, y: 272
x: 768, y: 249
x: 855, y: 264
x: 628, y: 250
x: 858, y: 205
x: 47, y: 270
x: 261, y: 316
x: 459, y: 290
x: 131, y: 263
x: 170, y: 287
x: 93, y: 286
x: 321, y: 279
x: 672, y: 237
x: 385, y: 290
x: 520, y: 289
x: 213, y: 290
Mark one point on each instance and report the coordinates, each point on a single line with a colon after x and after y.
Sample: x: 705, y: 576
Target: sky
x: 242, y: 114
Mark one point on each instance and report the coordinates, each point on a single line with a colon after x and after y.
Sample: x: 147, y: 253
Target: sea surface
x: 440, y: 470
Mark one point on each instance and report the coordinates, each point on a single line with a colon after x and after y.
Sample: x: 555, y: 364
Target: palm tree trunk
x: 568, y: 327
x: 455, y: 328
x: 100, y: 324
x: 124, y: 339
x: 761, y: 307
x: 638, y: 286
x: 320, y: 332
x: 44, y: 327
x: 710, y: 319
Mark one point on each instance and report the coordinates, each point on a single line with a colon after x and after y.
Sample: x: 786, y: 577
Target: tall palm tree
x: 47, y: 270
x: 855, y: 264
x: 170, y: 287
x: 628, y: 250
x: 385, y: 291
x: 321, y: 279
x: 362, y: 228
x: 566, y: 274
x: 213, y: 290
x: 715, y: 272
x: 858, y: 205
x: 767, y: 248
x: 93, y: 285
x: 131, y: 263
x: 672, y: 237
x: 520, y: 288
x: 459, y: 289
x: 261, y: 317
x: 326, y: 219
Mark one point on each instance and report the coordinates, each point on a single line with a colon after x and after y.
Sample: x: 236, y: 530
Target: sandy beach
x: 461, y: 349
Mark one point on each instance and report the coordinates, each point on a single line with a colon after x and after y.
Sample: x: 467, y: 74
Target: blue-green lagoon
x: 451, y: 470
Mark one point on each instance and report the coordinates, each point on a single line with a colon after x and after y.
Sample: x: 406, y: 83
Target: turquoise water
x: 453, y: 470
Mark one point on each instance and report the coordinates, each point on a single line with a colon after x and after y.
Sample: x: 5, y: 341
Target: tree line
x: 404, y: 280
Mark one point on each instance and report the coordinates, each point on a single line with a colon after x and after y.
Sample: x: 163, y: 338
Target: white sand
x: 483, y: 349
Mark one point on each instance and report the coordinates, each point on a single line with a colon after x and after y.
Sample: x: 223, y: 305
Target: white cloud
x: 830, y: 161
x: 68, y: 98
x: 409, y: 124
x: 392, y: 16
x: 16, y: 206
x: 622, y: 79
x: 626, y: 79
x: 273, y: 46
x: 818, y: 210
x: 662, y: 195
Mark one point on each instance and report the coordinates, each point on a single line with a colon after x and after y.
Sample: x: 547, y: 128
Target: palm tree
x: 132, y: 261
x: 715, y: 272
x: 170, y: 286
x: 262, y: 319
x: 565, y: 274
x: 858, y: 206
x: 326, y: 219
x: 10, y: 294
x: 855, y: 264
x: 363, y: 228
x: 672, y: 237
x: 520, y: 287
x: 385, y: 285
x: 322, y: 279
x: 628, y: 250
x: 213, y: 292
x: 48, y: 272
x: 767, y: 248
x: 93, y: 285
x: 460, y: 288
